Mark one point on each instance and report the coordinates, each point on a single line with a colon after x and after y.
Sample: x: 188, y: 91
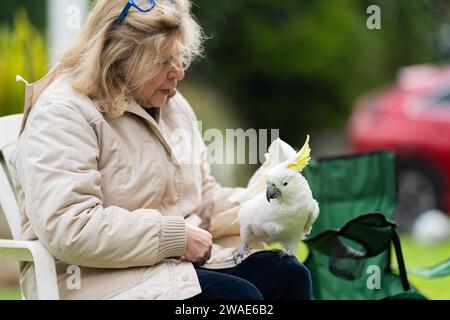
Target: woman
x: 100, y: 177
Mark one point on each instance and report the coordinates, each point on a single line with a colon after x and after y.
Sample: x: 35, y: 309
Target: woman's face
x: 160, y: 88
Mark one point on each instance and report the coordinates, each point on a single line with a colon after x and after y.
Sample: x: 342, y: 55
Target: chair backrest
x: 9, y: 209
x: 346, y: 188
x: 349, y: 186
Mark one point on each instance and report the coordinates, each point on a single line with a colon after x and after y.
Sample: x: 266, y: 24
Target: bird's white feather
x: 284, y: 219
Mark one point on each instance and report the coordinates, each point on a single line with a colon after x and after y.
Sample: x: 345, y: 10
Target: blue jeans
x: 263, y: 275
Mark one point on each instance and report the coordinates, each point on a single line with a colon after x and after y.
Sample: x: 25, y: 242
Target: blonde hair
x: 109, y: 64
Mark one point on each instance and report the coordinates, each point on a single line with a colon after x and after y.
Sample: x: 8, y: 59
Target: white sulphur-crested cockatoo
x: 278, y: 206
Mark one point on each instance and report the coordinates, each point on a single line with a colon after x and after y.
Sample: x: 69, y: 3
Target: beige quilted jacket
x: 113, y: 196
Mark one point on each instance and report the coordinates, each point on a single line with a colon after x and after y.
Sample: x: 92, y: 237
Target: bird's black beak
x: 272, y: 192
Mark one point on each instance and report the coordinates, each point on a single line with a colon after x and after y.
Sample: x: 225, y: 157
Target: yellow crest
x: 302, y: 158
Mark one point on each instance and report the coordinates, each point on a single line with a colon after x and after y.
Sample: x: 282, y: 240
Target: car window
x: 445, y: 98
x: 441, y: 99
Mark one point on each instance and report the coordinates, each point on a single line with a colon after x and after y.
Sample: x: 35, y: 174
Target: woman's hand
x: 199, y: 244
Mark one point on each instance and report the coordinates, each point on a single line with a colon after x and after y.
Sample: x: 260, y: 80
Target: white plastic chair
x: 33, y: 251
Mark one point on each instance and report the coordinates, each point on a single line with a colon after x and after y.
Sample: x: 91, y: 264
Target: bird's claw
x: 288, y: 253
x: 240, y: 253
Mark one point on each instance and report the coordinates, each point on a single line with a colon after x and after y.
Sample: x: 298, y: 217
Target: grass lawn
x: 9, y: 294
x: 415, y: 256
x: 427, y: 256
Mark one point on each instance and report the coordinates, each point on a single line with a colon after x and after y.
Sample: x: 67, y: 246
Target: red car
x: 412, y: 118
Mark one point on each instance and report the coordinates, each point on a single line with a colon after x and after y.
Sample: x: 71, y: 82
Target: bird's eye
x: 285, y: 184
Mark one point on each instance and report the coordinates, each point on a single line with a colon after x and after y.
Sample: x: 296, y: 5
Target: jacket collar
x: 134, y: 108
x: 34, y: 90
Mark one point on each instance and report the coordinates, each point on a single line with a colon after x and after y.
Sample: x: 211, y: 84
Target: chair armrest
x: 44, y: 264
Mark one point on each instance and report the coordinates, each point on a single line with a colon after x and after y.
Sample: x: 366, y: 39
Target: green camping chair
x: 350, y: 244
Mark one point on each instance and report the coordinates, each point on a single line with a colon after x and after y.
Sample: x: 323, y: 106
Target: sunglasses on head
x: 141, y: 5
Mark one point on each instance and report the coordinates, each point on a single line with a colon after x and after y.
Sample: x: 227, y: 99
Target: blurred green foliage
x: 296, y: 65
x: 22, y: 51
x: 35, y: 8
x: 299, y: 65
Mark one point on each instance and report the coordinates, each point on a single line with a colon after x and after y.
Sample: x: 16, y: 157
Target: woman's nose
x: 177, y: 72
